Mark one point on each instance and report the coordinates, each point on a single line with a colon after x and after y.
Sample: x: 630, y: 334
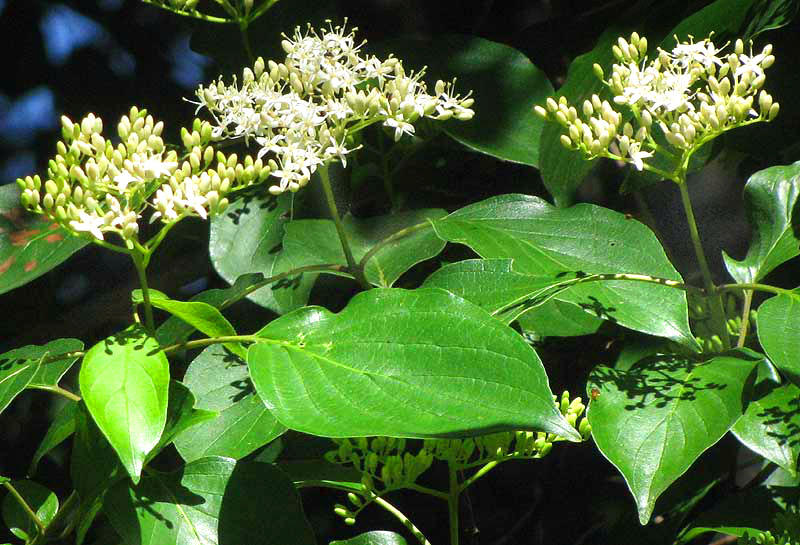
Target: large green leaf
x: 314, y: 242
x: 778, y: 322
x: 654, y: 420
x: 43, y: 502
x: 771, y: 425
x: 210, y: 501
x: 506, y: 86
x: 247, y: 239
x: 220, y: 382
x: 30, y: 245
x: 62, y: 427
x: 422, y: 363
x: 124, y: 381
x: 494, y: 285
x: 583, y: 239
x: 769, y: 197
x: 21, y: 368
x: 373, y: 538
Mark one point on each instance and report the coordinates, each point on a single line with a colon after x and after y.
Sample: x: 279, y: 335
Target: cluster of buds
x: 502, y: 446
x: 702, y: 322
x: 305, y: 111
x: 381, y: 460
x: 95, y: 187
x: 691, y: 94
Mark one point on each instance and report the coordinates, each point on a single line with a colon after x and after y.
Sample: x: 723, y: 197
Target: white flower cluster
x: 305, y: 110
x: 692, y: 94
x: 95, y: 187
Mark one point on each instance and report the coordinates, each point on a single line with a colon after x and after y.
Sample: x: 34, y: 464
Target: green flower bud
x: 354, y: 499
x: 773, y: 111
x: 565, y: 141
x: 541, y: 112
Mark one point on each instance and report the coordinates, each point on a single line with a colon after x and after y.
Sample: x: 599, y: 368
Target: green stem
x: 717, y: 308
x: 453, y: 502
x: 151, y: 245
x: 246, y: 40
x: 25, y: 507
x: 386, y: 173
x: 193, y: 14
x: 139, y: 264
x: 480, y: 473
x: 63, y: 511
x: 403, y: 519
x: 202, y: 343
x: 748, y: 300
x: 56, y: 389
x: 348, y: 253
x: 759, y: 287
x: 429, y: 491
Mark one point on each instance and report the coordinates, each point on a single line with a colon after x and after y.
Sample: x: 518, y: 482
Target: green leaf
x: 769, y: 197
x: 19, y: 368
x: 62, y: 427
x: 506, y: 85
x: 221, y: 383
x: 558, y: 318
x: 124, y: 381
x: 50, y: 374
x: 583, y: 239
x: 174, y: 330
x: 30, y: 245
x: 314, y: 242
x: 210, y: 501
x: 181, y: 415
x: 374, y: 538
x: 247, y: 239
x: 421, y: 363
x: 42, y: 501
x: 202, y: 316
x: 492, y: 284
x: 771, y: 425
x: 769, y: 15
x: 778, y: 324
x: 654, y: 420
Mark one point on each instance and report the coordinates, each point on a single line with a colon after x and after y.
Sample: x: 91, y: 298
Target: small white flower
x: 750, y: 64
x: 125, y: 178
x: 636, y: 155
x: 88, y: 223
x: 400, y: 127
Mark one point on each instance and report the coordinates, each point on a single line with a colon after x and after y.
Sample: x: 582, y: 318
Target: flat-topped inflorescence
x: 304, y: 111
x: 680, y: 99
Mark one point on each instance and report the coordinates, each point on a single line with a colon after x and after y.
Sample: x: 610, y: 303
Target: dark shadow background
x: 73, y: 57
